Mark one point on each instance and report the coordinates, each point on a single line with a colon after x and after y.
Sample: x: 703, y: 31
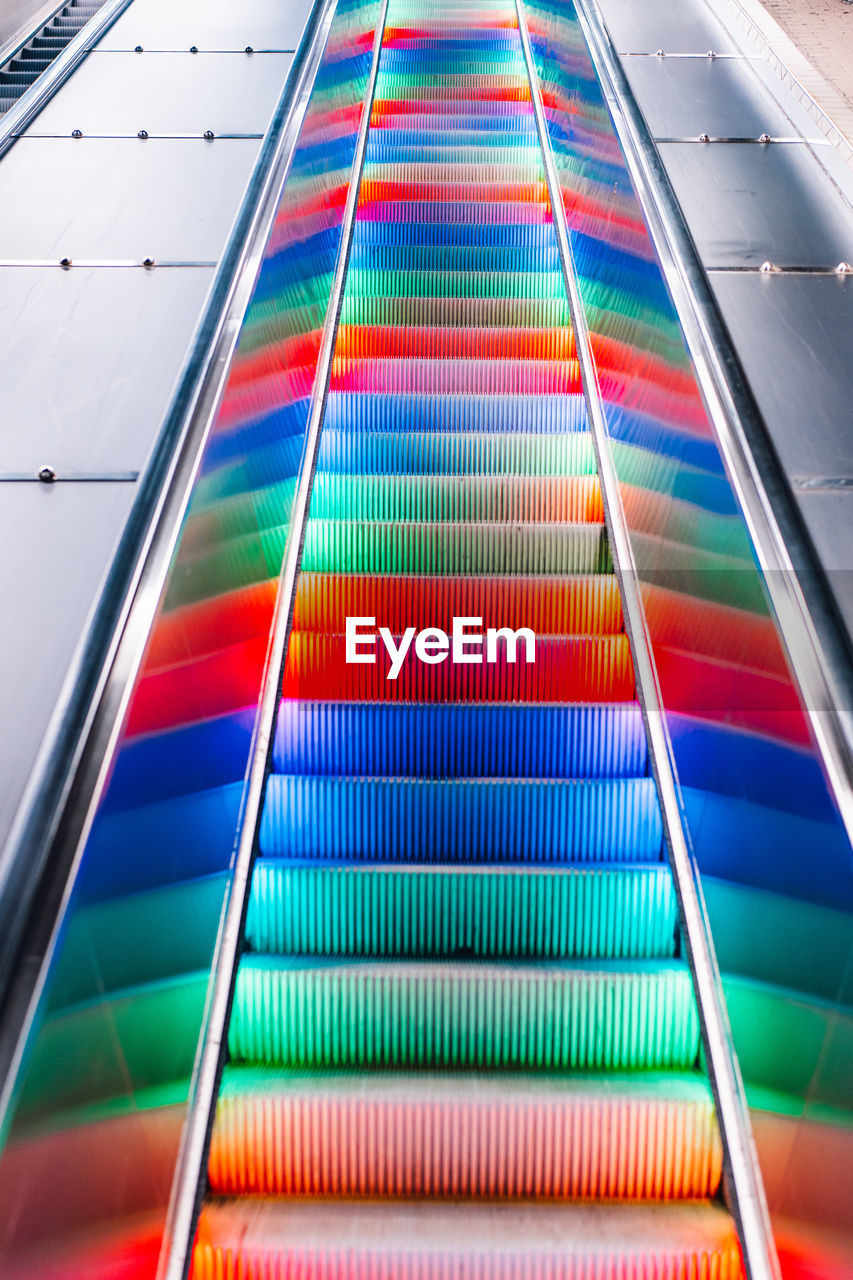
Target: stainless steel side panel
x: 107, y: 199
x: 210, y: 24
x: 109, y: 364
x: 167, y: 93
x: 750, y: 204
x: 57, y: 543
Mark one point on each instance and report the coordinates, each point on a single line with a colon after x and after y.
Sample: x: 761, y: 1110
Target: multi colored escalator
x: 464, y: 1039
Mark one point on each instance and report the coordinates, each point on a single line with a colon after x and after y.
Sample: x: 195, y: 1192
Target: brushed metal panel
x: 113, y: 341
x: 167, y: 93
x: 792, y: 335
x: 107, y: 199
x: 748, y: 204
x: 829, y: 519
x: 685, y: 97
x: 209, y: 24
x: 58, y: 541
x: 686, y: 27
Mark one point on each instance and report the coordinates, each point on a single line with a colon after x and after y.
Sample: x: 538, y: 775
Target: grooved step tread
x: 423, y: 1241
x: 381, y: 910
x: 587, y: 1015
x: 629, y: 1137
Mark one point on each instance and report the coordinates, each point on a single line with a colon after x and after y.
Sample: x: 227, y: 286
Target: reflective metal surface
x: 686, y: 97
x: 805, y: 321
x: 659, y: 24
x: 167, y: 93
x: 210, y: 25
x: 746, y: 205
x: 113, y: 191
x: 57, y: 541
x: 113, y: 364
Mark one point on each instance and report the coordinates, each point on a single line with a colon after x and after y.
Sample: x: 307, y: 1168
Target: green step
x: 357, y: 547
x: 587, y: 1016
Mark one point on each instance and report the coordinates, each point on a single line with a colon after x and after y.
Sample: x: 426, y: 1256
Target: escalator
x: 464, y: 1037
x: 35, y: 54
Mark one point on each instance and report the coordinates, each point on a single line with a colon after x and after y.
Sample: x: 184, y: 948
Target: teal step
x: 584, y: 1016
x: 611, y: 912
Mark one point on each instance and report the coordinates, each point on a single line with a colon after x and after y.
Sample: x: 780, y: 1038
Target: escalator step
x: 563, y: 669
x: 445, y: 1241
x: 445, y: 499
x: 623, y: 1138
x: 584, y: 1017
x: 461, y: 821
x: 419, y: 547
x: 585, y: 605
x: 360, y: 438
x: 620, y: 912
x: 442, y: 740
x: 563, y: 416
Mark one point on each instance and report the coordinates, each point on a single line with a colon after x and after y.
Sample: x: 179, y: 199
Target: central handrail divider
x: 746, y: 1189
x: 58, y: 810
x: 188, y: 1183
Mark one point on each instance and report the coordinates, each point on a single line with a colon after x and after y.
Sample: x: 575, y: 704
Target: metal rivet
x: 843, y: 268
x: 249, y: 49
x: 764, y: 137
x: 209, y: 135
x: 193, y: 48
x: 47, y: 475
x: 703, y: 137
x: 148, y: 262
x: 767, y: 267
x: 138, y: 49
x: 711, y: 53
x: 143, y: 134
x: 660, y: 54
x: 76, y: 133
x: 65, y: 263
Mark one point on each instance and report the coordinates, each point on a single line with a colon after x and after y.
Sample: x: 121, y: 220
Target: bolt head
x: 843, y: 269
x: 193, y: 48
x: 76, y: 133
x: 209, y: 135
x: 764, y: 137
x: 703, y: 137
x: 148, y: 262
x: 47, y: 475
x: 660, y: 54
x: 138, y: 49
x: 65, y: 263
x: 711, y: 53
x: 767, y: 267
x: 143, y: 134
x: 249, y: 49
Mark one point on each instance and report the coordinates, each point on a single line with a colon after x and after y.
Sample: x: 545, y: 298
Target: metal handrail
x: 188, y: 1183
x: 749, y: 1204
x: 56, y: 813
x: 21, y: 115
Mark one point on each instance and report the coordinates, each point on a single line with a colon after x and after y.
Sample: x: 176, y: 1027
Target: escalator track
x: 463, y: 985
